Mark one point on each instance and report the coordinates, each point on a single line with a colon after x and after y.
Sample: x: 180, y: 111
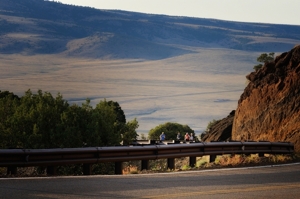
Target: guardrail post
x: 87, y: 169
x: 145, y: 165
x: 261, y: 155
x: 12, y: 170
x: 118, y: 168
x: 51, y: 170
x: 212, y: 158
x: 192, y: 161
x: 171, y: 163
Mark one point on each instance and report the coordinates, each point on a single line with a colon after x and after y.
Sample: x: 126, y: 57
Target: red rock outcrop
x: 221, y: 130
x: 269, y: 108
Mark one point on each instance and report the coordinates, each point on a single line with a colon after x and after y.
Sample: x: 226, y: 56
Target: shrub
x: 186, y: 167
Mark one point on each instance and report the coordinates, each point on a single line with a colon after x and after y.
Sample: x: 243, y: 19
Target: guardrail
x: 13, y: 158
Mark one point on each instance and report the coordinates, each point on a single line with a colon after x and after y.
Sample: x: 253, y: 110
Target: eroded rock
x: 269, y: 108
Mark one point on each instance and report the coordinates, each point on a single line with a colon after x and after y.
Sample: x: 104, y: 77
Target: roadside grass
x: 131, y: 169
x: 253, y: 159
x: 181, y: 164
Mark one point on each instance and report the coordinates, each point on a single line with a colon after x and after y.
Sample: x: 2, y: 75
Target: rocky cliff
x: 269, y: 108
x: 221, y: 130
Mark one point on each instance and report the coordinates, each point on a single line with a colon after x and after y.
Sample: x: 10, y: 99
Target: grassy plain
x: 190, y: 89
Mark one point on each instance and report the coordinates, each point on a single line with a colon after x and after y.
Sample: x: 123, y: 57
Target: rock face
x: 221, y: 130
x: 269, y: 108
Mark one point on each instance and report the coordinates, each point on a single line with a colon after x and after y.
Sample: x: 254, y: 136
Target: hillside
x: 47, y: 27
x: 158, y: 68
x: 268, y: 109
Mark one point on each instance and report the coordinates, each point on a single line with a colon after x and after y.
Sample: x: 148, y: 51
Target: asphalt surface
x: 259, y: 182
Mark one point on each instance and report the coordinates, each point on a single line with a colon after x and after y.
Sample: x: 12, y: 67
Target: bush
x: 170, y: 130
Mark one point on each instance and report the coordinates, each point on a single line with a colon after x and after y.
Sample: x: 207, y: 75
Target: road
x: 258, y: 182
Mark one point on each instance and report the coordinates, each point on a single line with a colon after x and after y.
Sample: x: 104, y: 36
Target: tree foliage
x: 264, y: 58
x: 43, y: 121
x: 210, y: 124
x: 129, y: 132
x: 170, y: 129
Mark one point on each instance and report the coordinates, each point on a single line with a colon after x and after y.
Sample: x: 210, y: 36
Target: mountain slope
x: 43, y: 27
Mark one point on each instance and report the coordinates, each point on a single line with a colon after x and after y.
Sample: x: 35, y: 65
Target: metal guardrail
x: 13, y: 158
x: 157, y: 142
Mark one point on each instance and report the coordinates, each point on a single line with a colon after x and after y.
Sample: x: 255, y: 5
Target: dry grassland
x: 191, y: 89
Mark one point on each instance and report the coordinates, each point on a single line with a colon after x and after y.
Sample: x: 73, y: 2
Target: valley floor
x: 191, y: 89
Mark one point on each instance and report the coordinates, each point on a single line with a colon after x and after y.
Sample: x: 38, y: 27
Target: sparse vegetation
x: 131, y: 169
x: 264, y: 58
x: 143, y: 137
x: 254, y: 159
x: 160, y: 165
x: 182, y: 164
x: 208, y: 128
x: 201, y: 162
x: 185, y: 167
x: 210, y: 124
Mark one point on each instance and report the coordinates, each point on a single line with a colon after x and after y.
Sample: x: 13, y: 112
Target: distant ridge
x: 47, y: 27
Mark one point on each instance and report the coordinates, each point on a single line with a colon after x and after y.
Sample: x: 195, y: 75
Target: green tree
x: 105, y: 118
x: 170, y: 129
x: 76, y: 122
x: 8, y: 106
x: 4, y: 94
x: 264, y: 58
x: 129, y: 132
x: 126, y: 130
x: 37, y: 120
x: 210, y: 124
x: 118, y: 110
x: 43, y: 121
x: 208, y: 128
x: 87, y: 123
x: 120, y: 121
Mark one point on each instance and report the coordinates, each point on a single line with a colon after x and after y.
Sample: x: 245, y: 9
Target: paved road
x: 263, y: 182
